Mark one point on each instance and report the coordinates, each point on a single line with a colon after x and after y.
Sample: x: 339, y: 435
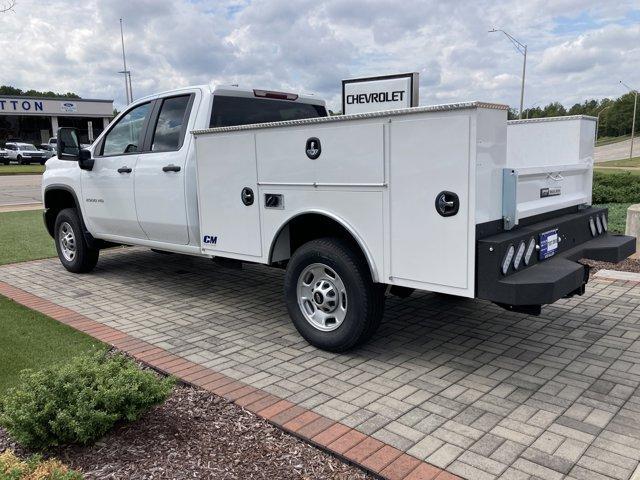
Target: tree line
x: 615, y: 114
x: 9, y: 91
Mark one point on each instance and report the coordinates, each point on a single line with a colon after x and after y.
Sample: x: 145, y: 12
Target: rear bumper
x: 545, y: 281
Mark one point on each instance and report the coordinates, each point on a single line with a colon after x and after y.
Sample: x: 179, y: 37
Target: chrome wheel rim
x: 67, y: 241
x: 322, y: 297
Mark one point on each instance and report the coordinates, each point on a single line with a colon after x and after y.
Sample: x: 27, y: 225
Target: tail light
x: 275, y: 95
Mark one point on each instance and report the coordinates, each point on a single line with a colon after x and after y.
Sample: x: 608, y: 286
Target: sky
x: 577, y: 49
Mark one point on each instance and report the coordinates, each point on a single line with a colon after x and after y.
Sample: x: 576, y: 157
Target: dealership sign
x: 12, y: 105
x: 372, y: 94
x: 69, y: 107
x: 56, y: 107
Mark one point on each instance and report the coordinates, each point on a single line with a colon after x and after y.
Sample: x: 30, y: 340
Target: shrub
x: 80, y: 401
x: 623, y: 187
x: 34, y: 468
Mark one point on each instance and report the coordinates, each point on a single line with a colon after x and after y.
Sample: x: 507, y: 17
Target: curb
x: 21, y: 207
x: 334, y: 437
x: 617, y: 275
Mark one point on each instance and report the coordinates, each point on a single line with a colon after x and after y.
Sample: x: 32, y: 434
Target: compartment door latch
x: 447, y: 203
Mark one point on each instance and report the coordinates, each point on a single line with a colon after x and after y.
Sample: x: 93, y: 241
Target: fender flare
x: 88, y: 237
x: 340, y: 221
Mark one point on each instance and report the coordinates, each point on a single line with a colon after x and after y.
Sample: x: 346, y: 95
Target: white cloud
x: 577, y: 48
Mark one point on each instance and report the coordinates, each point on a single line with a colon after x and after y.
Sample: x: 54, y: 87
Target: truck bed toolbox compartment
x: 549, y: 166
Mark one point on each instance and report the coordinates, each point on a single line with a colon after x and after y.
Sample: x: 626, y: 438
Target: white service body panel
x: 378, y: 175
x: 552, y: 159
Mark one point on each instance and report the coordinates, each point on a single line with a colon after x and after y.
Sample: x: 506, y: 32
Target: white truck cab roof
x: 237, y: 91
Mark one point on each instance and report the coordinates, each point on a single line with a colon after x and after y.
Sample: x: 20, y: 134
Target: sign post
x: 372, y: 94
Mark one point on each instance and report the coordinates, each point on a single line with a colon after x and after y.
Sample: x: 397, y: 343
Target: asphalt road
x: 20, y: 189
x: 617, y: 151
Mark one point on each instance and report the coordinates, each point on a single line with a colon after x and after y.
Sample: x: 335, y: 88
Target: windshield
x: 27, y: 146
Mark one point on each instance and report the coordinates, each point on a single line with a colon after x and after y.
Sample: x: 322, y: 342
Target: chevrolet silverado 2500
x: 447, y: 198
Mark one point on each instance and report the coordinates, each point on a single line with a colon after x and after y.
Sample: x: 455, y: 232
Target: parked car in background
x: 4, y: 156
x: 24, y: 153
x: 48, y: 150
x: 53, y: 142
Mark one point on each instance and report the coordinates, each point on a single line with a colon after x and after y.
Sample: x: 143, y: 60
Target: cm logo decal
x: 211, y: 240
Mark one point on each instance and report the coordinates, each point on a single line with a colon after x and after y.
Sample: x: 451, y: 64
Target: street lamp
x: 633, y: 122
x: 520, y: 47
x: 127, y: 73
x: 598, y: 120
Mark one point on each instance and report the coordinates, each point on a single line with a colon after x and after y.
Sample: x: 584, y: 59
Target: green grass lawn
x: 21, y: 169
x: 617, y: 216
x: 32, y: 340
x: 23, y: 236
x: 632, y: 171
x: 633, y: 162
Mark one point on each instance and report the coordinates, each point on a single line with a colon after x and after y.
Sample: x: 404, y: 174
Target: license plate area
x: 548, y: 244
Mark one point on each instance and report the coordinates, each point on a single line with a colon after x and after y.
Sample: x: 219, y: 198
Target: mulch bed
x: 628, y: 265
x: 197, y: 435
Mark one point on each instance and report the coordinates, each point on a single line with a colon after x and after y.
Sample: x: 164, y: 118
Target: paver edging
x: 342, y: 441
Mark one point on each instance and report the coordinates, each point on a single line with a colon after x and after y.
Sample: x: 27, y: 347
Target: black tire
x: 365, y: 299
x: 85, y: 258
x: 19, y: 159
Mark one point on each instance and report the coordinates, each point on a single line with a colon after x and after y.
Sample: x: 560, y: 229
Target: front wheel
x: 73, y: 251
x: 330, y: 295
x: 19, y: 159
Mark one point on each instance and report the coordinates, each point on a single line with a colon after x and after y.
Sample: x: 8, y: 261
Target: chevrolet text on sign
x: 362, y: 95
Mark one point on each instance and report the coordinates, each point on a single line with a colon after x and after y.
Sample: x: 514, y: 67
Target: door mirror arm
x: 85, y: 161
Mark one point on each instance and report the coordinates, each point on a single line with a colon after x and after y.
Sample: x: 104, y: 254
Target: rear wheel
x: 20, y: 160
x: 330, y: 295
x: 73, y: 251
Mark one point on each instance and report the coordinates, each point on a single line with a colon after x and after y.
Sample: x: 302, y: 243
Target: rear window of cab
x: 231, y: 111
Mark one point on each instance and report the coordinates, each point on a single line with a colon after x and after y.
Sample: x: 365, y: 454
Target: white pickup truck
x: 447, y: 198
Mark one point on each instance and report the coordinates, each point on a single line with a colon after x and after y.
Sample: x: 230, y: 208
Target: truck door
x: 159, y: 175
x: 107, y: 190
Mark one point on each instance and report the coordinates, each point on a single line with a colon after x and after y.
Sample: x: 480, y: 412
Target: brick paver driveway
x: 462, y: 384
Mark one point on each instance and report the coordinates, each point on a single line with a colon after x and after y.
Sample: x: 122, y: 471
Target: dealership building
x: 35, y: 120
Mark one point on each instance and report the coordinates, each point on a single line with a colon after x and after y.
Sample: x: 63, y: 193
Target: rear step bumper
x: 545, y: 281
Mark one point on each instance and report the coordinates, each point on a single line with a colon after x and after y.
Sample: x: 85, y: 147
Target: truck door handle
x: 124, y: 170
x: 171, y: 168
x: 447, y: 203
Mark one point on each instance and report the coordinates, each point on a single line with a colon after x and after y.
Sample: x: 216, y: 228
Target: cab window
x: 169, y: 132
x: 229, y: 111
x: 125, y: 136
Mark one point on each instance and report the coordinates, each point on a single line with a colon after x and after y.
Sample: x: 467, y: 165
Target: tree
x: 10, y: 91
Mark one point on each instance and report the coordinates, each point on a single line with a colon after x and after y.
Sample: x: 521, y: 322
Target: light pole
x: 598, y: 120
x: 127, y: 73
x: 522, y: 48
x: 633, y: 121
